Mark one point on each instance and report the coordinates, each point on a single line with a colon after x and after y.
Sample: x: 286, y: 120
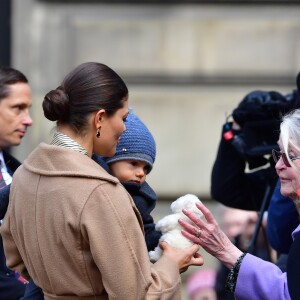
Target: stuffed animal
x: 171, y: 229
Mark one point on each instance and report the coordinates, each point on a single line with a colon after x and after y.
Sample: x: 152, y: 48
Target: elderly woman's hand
x: 210, y: 236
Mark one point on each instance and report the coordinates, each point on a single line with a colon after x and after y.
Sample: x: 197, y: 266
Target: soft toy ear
x: 174, y: 206
x: 187, y: 201
x: 191, y: 201
x: 179, y: 204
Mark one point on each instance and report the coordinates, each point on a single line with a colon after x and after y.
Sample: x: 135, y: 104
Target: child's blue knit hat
x: 136, y: 143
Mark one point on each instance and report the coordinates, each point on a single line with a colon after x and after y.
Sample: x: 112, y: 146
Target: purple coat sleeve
x: 260, y: 280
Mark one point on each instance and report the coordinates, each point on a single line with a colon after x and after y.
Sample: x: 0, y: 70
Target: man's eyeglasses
x: 277, y: 155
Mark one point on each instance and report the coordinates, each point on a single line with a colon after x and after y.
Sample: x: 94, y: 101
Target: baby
x: 132, y: 162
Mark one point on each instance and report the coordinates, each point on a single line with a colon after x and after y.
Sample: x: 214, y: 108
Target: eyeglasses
x: 277, y: 155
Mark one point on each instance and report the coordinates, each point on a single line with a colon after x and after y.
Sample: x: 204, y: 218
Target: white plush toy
x: 171, y: 229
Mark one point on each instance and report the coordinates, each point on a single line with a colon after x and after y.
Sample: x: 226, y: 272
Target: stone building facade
x: 187, y: 65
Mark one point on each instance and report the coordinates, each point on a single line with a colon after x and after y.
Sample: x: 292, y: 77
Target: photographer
x: 230, y: 184
x: 247, y: 142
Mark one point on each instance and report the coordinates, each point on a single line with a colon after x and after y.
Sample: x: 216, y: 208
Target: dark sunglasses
x: 277, y: 155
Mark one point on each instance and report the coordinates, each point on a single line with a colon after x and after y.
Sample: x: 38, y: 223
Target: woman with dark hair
x: 71, y: 226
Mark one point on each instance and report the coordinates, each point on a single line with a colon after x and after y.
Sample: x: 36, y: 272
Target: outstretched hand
x: 210, y: 236
x: 183, y: 257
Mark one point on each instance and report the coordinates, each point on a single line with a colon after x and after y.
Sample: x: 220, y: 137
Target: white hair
x: 290, y: 133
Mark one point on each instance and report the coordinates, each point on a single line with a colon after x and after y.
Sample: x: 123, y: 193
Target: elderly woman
x: 251, y: 277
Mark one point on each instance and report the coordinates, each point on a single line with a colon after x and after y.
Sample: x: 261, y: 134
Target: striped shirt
x: 62, y: 140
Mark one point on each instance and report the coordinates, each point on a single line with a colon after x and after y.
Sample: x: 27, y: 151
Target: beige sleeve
x: 118, y: 247
x: 14, y: 260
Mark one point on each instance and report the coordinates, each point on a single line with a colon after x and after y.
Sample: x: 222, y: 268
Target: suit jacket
x: 11, y: 164
x: 10, y: 287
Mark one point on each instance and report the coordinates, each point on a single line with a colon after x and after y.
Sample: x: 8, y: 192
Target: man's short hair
x: 9, y: 76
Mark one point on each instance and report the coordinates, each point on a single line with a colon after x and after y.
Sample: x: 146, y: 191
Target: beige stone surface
x: 206, y: 42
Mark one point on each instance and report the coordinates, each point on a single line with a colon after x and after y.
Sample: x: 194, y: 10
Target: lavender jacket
x: 261, y: 280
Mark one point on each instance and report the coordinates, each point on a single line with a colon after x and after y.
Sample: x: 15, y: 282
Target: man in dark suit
x: 15, y: 102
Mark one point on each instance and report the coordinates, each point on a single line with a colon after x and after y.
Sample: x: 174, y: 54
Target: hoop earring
x: 98, y: 132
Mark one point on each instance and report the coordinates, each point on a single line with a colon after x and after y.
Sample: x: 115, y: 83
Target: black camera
x: 259, y: 115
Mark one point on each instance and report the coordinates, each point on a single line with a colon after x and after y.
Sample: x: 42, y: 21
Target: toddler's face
x: 130, y: 170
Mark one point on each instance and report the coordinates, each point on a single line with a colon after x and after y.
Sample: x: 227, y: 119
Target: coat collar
x: 51, y: 160
x: 11, y: 163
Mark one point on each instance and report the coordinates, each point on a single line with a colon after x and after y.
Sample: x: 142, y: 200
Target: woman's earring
x: 98, y: 132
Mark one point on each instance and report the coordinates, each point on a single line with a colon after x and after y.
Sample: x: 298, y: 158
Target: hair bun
x: 56, y: 105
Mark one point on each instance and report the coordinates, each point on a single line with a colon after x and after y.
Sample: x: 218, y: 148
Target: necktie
x: 2, y: 181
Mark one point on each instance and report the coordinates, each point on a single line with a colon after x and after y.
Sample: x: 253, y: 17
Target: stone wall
x: 186, y: 67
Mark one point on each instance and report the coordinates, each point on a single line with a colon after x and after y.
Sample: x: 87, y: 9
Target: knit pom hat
x: 136, y: 143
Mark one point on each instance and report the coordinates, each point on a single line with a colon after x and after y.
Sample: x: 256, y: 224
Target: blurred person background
x: 201, y: 285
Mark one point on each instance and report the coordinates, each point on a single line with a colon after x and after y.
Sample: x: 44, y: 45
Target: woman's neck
x: 82, y: 140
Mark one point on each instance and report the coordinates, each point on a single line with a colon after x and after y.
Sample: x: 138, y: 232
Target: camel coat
x: 75, y: 230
